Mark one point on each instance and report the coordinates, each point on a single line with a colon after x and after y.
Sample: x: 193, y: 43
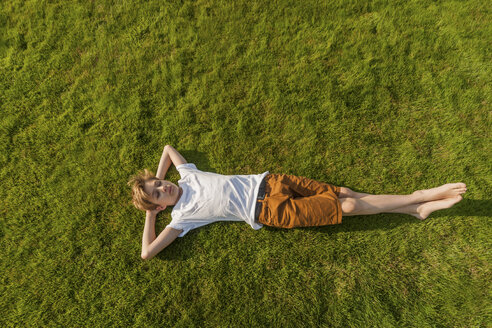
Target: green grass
x: 380, y: 97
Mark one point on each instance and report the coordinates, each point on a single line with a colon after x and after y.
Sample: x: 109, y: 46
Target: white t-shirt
x: 209, y: 197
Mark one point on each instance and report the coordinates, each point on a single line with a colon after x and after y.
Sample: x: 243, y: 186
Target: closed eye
x: 157, y: 183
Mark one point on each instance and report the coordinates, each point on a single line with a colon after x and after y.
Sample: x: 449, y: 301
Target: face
x: 162, y: 192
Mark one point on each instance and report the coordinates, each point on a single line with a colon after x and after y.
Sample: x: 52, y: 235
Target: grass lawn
x: 383, y: 97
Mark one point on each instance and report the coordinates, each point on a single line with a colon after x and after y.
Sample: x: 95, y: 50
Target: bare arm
x: 152, y: 245
x: 169, y: 155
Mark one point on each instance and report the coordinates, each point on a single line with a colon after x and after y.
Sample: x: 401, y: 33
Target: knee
x: 349, y: 205
x: 346, y: 192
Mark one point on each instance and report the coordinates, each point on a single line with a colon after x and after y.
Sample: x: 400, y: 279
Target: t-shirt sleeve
x: 180, y: 226
x: 185, y: 226
x: 185, y: 169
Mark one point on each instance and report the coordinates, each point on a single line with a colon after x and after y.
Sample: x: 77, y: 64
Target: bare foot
x: 424, y: 210
x: 448, y: 190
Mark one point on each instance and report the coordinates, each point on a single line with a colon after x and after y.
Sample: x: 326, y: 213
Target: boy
x: 277, y: 200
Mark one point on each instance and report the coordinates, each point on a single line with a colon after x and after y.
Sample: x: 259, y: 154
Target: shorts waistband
x: 261, y: 196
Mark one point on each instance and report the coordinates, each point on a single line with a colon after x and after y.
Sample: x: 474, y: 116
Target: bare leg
x: 419, y: 204
x: 409, y: 209
x: 419, y: 210
x: 374, y: 204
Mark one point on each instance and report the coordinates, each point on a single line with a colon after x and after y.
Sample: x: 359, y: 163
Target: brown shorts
x: 292, y: 201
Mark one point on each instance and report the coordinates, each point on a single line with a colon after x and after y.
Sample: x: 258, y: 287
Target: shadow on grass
x: 198, y: 158
x: 388, y: 221
x: 383, y: 221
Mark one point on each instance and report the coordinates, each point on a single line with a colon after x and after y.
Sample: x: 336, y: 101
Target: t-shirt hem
x: 253, y: 224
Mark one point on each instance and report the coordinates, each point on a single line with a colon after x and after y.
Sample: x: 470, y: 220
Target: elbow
x: 145, y: 256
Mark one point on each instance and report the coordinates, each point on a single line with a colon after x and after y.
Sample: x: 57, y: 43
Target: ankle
x: 418, y: 196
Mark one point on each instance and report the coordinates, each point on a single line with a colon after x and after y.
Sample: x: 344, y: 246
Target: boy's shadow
x: 388, y: 221
x: 192, y: 156
x: 198, y: 158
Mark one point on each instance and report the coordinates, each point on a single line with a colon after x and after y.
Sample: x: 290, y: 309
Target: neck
x: 179, y: 195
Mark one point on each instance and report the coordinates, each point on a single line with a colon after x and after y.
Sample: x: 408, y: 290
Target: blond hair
x: 140, y: 198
